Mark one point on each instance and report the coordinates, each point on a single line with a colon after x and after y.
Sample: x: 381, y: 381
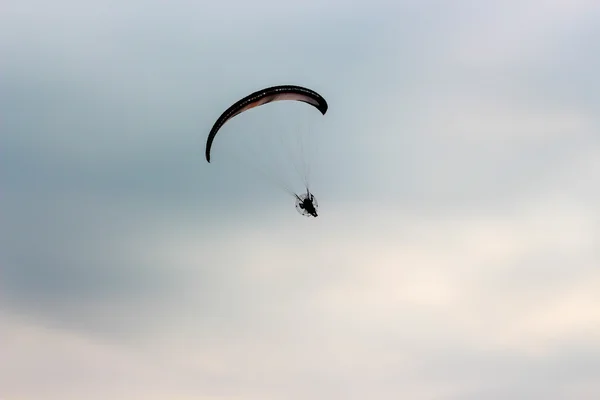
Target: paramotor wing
x: 264, y: 96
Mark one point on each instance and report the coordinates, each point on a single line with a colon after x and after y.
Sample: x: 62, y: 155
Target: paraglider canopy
x: 264, y: 96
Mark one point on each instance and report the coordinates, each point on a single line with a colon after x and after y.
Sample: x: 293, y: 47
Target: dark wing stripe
x: 264, y: 96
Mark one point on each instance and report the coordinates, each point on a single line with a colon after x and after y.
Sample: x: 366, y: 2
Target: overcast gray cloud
x: 457, y: 249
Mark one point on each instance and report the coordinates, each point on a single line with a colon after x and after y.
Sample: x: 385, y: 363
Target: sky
x: 456, y: 254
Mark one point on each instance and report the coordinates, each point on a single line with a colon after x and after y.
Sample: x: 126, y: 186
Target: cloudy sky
x: 457, y: 251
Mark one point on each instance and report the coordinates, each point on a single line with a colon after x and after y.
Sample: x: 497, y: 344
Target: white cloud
x: 506, y: 121
x: 515, y: 33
